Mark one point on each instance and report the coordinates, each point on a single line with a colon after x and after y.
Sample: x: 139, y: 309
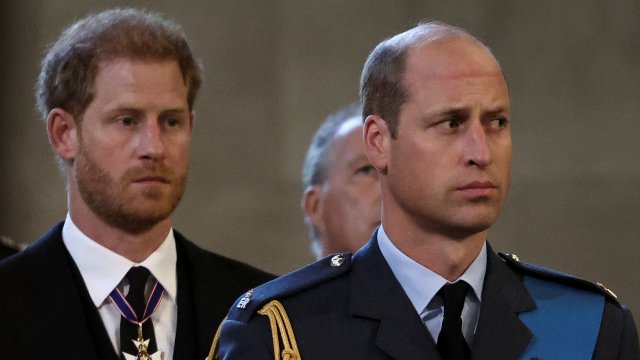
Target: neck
x: 448, y: 257
x: 135, y: 247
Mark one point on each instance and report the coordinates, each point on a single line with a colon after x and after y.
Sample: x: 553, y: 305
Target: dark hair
x: 315, y: 170
x: 70, y: 66
x: 382, y: 91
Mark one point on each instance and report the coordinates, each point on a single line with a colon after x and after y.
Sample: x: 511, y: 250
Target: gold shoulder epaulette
x: 281, y: 329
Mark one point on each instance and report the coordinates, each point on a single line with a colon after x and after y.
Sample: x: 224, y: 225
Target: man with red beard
x: 428, y: 285
x: 115, y: 280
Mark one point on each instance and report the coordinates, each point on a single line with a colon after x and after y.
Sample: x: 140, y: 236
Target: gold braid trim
x: 214, y: 344
x: 281, y: 329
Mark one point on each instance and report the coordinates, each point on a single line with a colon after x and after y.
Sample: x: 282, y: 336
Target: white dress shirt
x: 422, y: 285
x: 103, y: 270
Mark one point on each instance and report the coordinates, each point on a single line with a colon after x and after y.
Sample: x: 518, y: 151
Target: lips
x: 478, y: 185
x: 151, y: 179
x: 477, y: 189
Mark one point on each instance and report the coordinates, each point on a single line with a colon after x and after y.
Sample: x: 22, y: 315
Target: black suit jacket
x: 46, y: 311
x: 358, y: 310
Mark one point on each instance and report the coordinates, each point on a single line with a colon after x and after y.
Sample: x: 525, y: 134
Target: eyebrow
x: 463, y: 111
x: 174, y: 111
x: 138, y: 111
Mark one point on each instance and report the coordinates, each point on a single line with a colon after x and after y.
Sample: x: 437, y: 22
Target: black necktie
x: 451, y: 342
x: 137, y: 277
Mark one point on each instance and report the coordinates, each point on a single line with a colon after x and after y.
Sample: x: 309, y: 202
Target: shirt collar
x: 102, y: 269
x: 420, y: 283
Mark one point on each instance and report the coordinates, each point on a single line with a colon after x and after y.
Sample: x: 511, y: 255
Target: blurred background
x: 275, y: 69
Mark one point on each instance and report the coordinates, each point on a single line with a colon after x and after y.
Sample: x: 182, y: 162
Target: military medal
x: 142, y: 345
x: 128, y: 313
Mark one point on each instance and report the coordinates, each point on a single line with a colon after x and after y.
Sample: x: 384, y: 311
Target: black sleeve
x: 12, y: 307
x: 629, y: 342
x: 618, y: 337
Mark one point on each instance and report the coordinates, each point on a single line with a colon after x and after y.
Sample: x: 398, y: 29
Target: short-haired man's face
x: 449, y: 169
x: 134, y: 138
x: 348, y: 203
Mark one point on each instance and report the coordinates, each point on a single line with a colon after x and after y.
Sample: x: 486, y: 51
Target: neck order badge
x: 126, y: 310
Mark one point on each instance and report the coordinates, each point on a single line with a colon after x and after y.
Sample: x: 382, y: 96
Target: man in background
x: 115, y: 280
x: 341, y: 199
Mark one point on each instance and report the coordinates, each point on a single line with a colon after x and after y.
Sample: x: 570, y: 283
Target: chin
x: 464, y: 229
x: 139, y: 215
x: 136, y: 223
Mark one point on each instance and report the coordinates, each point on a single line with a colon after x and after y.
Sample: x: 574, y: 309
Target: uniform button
x: 337, y: 260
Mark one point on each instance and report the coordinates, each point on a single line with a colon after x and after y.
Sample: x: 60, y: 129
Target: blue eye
x: 172, y: 122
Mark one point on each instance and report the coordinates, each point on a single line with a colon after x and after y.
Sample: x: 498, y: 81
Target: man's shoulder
x: 209, y: 266
x: 577, y: 306
x: 294, y: 284
x: 22, y: 274
x: 200, y: 257
x: 557, y: 277
x: 33, y: 255
x: 11, y: 268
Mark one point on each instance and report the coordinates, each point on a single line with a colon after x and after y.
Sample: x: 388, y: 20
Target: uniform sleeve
x: 618, y: 337
x: 246, y: 341
x: 629, y: 342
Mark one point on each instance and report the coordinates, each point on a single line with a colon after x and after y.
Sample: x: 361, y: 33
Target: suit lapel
x: 376, y: 294
x: 186, y: 342
x: 59, y: 324
x: 203, y: 299
x: 500, y: 333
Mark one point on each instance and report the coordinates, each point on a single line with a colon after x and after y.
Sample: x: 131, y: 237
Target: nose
x: 150, y: 141
x: 477, y: 151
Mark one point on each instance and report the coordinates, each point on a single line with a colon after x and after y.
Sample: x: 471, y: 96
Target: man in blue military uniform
x: 428, y: 285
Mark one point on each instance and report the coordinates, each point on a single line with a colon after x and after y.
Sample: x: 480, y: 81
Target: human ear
x: 312, y: 206
x: 377, y: 141
x: 63, y: 133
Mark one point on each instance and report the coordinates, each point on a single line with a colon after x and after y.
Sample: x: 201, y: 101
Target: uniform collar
x: 102, y: 269
x: 420, y: 283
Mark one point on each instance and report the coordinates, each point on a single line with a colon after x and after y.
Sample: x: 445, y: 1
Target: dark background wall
x: 274, y: 69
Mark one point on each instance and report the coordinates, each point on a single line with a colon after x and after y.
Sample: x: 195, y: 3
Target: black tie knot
x: 453, y: 296
x: 137, y: 277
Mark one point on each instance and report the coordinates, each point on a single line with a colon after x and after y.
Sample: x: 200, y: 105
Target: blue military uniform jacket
x: 354, y: 308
